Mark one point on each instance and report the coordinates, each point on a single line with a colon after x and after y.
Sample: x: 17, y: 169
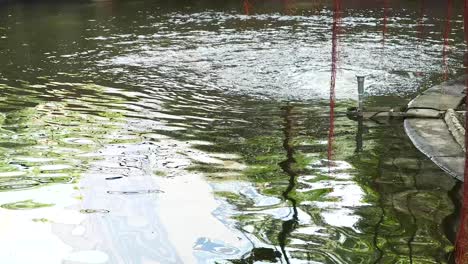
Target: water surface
x: 199, y: 132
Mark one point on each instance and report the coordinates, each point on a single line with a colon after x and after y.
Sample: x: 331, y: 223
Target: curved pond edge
x: 440, y: 138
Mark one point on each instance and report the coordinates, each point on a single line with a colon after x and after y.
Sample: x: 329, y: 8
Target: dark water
x: 190, y: 132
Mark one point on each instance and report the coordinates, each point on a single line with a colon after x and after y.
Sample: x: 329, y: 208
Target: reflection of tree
x: 413, y: 198
x: 452, y: 221
x: 286, y: 165
x: 259, y: 254
x: 50, y: 130
x: 406, y: 195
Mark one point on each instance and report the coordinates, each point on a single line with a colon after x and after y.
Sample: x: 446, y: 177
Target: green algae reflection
x: 46, y: 142
x: 398, y: 217
x: 25, y: 205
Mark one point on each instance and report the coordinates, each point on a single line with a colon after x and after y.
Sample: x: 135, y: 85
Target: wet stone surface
x: 442, y: 139
x: 436, y: 101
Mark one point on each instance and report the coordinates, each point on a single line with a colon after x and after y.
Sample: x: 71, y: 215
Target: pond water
x: 201, y: 132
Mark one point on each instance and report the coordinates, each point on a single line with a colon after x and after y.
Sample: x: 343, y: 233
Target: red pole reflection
x: 421, y: 19
x: 289, y: 6
x: 461, y: 243
x: 446, y: 38
x: 335, y: 32
x: 420, y: 28
x: 385, y: 21
x: 247, y: 7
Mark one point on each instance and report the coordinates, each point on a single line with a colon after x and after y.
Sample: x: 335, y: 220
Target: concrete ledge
x: 455, y: 166
x: 424, y: 113
x: 454, y: 87
x: 441, y: 139
x: 455, y: 127
x: 433, y: 138
x: 435, y: 101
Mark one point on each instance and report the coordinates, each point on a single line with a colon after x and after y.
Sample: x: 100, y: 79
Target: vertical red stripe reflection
x: 247, y: 7
x: 335, y: 33
x: 446, y: 38
x: 385, y: 21
x: 420, y: 31
x: 462, y: 239
x: 420, y: 26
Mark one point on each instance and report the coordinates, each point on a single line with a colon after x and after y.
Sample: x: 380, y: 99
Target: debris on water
x: 94, y: 211
x: 114, y: 178
x: 54, y: 179
x: 78, y: 141
x: 40, y: 220
x: 135, y: 192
